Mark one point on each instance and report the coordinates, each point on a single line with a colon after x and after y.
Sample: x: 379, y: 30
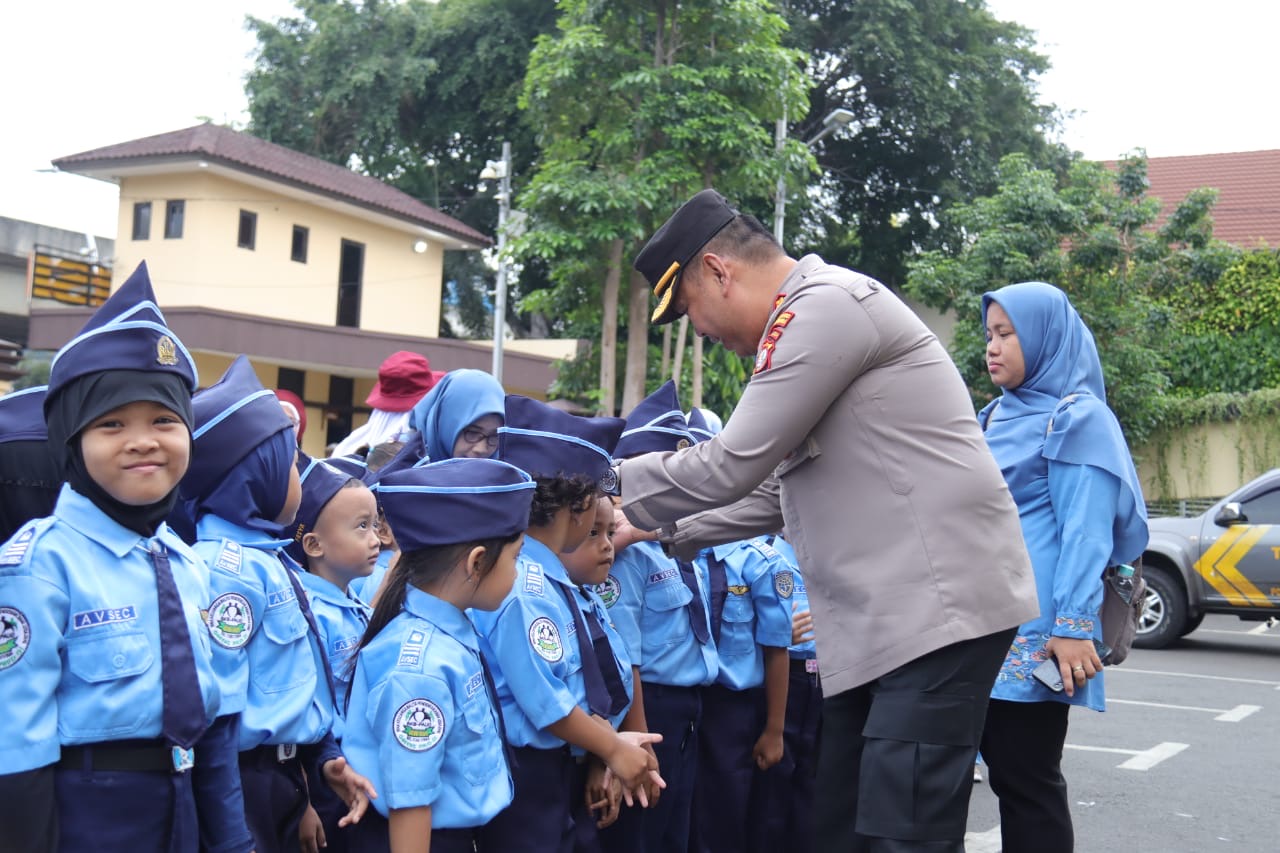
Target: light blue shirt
x: 649, y: 604
x: 757, y: 608
x: 421, y: 725
x: 366, y: 588
x: 532, y: 647
x: 807, y: 650
x: 262, y: 644
x: 341, y: 618
x: 80, y: 633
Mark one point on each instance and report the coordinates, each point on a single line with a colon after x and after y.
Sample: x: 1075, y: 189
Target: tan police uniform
x: 857, y: 433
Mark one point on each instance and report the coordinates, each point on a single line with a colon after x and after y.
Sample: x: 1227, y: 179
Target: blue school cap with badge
x: 546, y: 441
x: 320, y: 482
x: 22, y: 415
x: 232, y: 417
x: 352, y: 466
x: 127, y: 332
x: 699, y: 426
x: 455, y: 501
x: 656, y: 423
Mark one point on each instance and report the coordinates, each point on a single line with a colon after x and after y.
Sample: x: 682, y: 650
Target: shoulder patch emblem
x: 17, y: 547
x: 609, y: 590
x: 764, y: 357
x: 784, y: 583
x: 230, y: 620
x: 411, y: 649
x: 418, y: 725
x: 15, y: 636
x: 534, y: 580
x: 544, y: 636
x: 229, y: 557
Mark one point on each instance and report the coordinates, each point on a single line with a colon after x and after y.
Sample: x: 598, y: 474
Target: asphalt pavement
x: 1186, y: 758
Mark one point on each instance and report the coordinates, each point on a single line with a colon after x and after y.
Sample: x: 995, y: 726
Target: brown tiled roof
x: 247, y: 153
x: 1247, y: 213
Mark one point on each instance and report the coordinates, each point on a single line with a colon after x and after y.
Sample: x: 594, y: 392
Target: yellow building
x: 315, y: 272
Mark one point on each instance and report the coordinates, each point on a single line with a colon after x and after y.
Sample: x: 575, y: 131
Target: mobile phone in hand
x: 1049, y: 675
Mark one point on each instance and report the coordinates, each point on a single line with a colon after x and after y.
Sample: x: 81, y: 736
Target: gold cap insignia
x: 166, y: 351
x: 682, y: 444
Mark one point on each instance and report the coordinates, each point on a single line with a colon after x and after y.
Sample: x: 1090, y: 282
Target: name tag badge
x: 183, y: 759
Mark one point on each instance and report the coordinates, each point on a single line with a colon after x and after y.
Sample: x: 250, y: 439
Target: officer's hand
x: 801, y: 625
x: 354, y: 789
x: 625, y: 533
x: 311, y: 832
x: 768, y: 750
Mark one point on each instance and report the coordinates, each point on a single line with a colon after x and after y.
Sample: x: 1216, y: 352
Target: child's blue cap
x: 127, y: 332
x: 22, y: 415
x: 544, y: 440
x: 232, y: 417
x: 352, y: 466
x: 320, y: 482
x: 698, y: 426
x: 455, y: 501
x: 656, y: 423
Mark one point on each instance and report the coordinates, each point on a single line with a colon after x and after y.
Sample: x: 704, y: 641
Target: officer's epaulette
x: 230, y: 557
x: 15, y: 553
x: 413, y: 648
x: 764, y: 548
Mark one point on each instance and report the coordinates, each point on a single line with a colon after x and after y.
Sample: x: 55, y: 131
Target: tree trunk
x: 697, y: 371
x: 666, y: 350
x: 681, y: 336
x: 609, y: 329
x: 637, y: 341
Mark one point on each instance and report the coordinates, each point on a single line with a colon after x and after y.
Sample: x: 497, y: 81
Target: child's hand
x: 354, y: 789
x: 801, y: 626
x: 603, y: 794
x: 311, y: 832
x: 768, y: 750
x: 632, y: 764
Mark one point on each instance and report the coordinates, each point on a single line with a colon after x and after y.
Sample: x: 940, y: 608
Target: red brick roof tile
x: 247, y: 153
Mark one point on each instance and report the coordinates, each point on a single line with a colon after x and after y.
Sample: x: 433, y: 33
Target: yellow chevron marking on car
x: 1217, y: 565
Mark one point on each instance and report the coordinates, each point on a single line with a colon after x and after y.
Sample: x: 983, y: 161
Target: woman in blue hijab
x: 460, y: 416
x: 1081, y: 507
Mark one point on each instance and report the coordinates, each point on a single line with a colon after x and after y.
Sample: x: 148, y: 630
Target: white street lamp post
x: 500, y: 170
x: 835, y: 120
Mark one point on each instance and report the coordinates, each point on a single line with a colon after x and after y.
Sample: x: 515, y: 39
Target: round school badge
x: 418, y: 725
x: 608, y: 589
x: 166, y: 351
x: 15, y: 636
x: 784, y: 583
x: 682, y: 444
x: 544, y: 636
x: 230, y: 620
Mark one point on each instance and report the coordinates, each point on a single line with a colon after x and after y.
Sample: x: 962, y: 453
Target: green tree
x: 940, y: 90
x: 639, y: 105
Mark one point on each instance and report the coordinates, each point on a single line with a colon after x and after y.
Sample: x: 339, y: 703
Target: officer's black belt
x: 138, y: 756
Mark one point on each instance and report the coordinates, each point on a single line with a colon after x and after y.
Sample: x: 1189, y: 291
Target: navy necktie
x: 182, y: 720
x: 305, y: 607
x: 719, y: 592
x: 605, y: 694
x: 497, y: 706
x: 697, y: 610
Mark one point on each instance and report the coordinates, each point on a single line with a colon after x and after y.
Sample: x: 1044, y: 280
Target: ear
x: 311, y: 545
x: 717, y: 270
x: 474, y: 559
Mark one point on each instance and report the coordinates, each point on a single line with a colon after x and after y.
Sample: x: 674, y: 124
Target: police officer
x: 110, y: 693
x: 856, y: 433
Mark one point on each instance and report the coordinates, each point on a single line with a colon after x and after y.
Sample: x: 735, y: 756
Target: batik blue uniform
x: 786, y: 790
x: 751, y: 589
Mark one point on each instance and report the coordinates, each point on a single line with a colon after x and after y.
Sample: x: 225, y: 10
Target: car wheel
x: 1192, y: 624
x: 1164, y: 612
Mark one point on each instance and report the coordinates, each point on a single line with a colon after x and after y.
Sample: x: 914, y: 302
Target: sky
x: 1170, y: 77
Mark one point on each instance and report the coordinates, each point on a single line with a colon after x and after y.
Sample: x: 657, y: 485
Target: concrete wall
x: 1209, y: 460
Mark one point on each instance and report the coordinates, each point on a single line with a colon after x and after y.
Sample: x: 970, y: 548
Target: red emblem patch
x: 764, y: 357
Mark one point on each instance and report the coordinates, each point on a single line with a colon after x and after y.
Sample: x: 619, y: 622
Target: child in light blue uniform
x: 661, y: 611
x: 111, y: 698
x: 30, y: 478
x: 335, y: 539
x: 423, y: 722
x: 245, y: 488
x: 552, y: 663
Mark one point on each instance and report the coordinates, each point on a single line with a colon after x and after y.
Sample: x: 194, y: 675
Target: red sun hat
x: 403, y: 379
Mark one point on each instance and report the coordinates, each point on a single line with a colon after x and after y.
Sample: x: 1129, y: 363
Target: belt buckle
x: 286, y: 752
x: 183, y: 759
x: 811, y: 666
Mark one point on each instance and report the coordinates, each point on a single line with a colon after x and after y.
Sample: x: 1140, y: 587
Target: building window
x: 338, y: 412
x: 292, y: 379
x: 299, y: 250
x: 173, y: 215
x: 142, y: 220
x: 248, y: 233
x: 350, y: 275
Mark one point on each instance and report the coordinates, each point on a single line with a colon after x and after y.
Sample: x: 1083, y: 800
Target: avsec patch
x: 17, y: 548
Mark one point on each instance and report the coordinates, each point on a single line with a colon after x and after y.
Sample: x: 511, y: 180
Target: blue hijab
x: 253, y: 492
x: 457, y: 401
x: 1061, y: 360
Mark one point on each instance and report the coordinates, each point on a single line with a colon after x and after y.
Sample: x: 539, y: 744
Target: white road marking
x: 1141, y: 759
x: 1262, y: 630
x: 1122, y: 670
x: 1225, y: 715
x: 983, y: 842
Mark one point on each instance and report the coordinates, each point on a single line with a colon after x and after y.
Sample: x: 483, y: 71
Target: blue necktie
x: 492, y: 689
x: 305, y: 606
x: 719, y: 592
x: 182, y: 719
x: 605, y: 694
x: 697, y: 610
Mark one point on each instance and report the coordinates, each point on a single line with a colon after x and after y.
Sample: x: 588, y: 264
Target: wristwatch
x: 611, y: 480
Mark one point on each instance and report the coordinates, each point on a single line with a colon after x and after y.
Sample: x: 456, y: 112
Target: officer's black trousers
x: 910, y: 737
